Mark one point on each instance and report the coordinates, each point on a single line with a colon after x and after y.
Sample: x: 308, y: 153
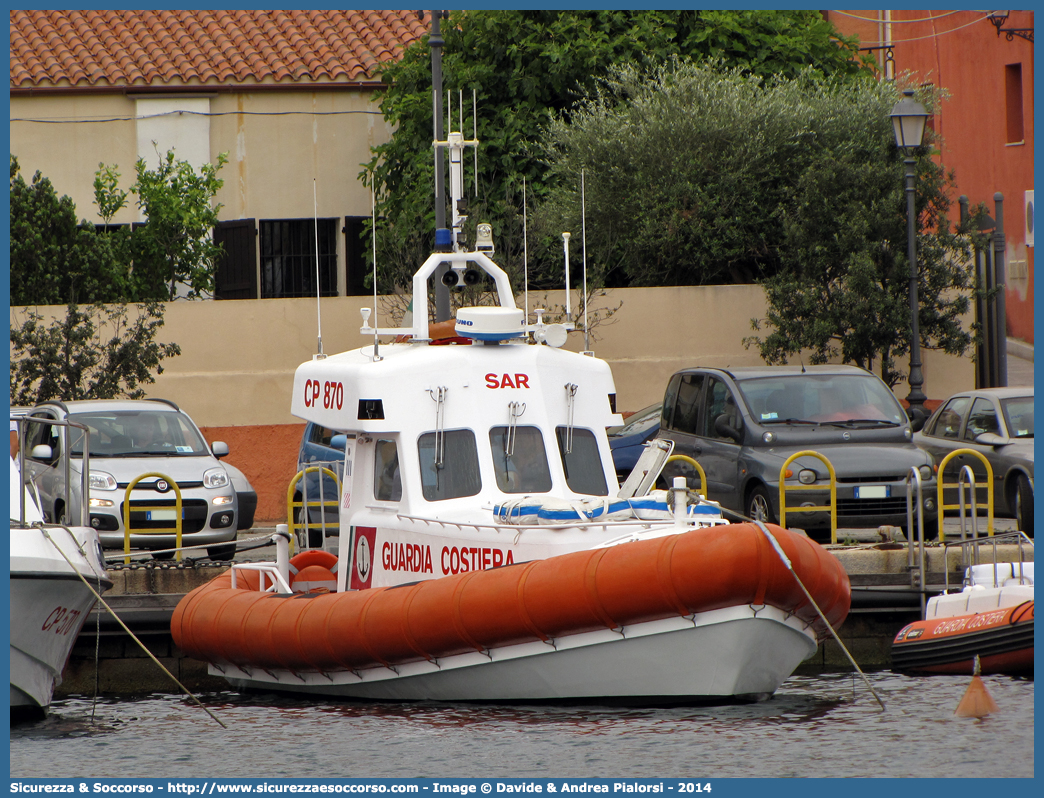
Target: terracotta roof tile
x: 140, y: 48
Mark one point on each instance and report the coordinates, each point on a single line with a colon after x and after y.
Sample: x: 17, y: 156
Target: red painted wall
x: 267, y: 455
x: 961, y: 52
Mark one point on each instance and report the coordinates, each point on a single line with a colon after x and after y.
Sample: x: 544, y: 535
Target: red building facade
x: 985, y: 62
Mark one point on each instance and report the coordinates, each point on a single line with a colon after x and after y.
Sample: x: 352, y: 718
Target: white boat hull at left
x: 49, y: 606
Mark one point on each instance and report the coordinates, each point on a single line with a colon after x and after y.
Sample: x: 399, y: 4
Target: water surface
x: 818, y: 726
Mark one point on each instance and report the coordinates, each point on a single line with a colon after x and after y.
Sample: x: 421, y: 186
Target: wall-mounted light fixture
x: 998, y: 18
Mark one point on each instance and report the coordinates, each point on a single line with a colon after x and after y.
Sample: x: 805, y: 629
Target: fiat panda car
x: 132, y: 440
x: 742, y: 425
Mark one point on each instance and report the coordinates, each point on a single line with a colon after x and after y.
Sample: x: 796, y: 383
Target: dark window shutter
x: 355, y: 264
x: 237, y: 269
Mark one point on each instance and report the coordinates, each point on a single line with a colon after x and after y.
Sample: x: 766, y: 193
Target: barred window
x: 288, y: 257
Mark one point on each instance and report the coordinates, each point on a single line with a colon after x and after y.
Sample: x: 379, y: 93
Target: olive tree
x: 700, y: 174
x: 96, y: 352
x: 529, y: 66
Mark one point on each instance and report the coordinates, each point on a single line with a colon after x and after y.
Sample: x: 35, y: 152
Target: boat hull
x: 1002, y: 639
x: 709, y: 614
x: 49, y: 606
x: 722, y: 656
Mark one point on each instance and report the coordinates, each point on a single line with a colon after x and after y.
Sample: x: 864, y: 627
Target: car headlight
x: 806, y: 476
x: 926, y: 473
x: 99, y: 480
x: 100, y: 503
x: 215, y: 478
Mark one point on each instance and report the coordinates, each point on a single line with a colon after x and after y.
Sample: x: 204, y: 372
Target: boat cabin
x: 448, y: 430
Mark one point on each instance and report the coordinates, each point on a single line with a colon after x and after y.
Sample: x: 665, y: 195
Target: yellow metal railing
x: 832, y: 507
x: 151, y: 508
x: 306, y: 502
x: 989, y: 489
x: 694, y: 464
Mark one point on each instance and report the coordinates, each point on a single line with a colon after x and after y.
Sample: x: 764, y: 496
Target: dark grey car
x: 742, y: 424
x: 997, y: 423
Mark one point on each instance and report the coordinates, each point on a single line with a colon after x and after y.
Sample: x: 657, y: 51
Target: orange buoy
x: 977, y: 701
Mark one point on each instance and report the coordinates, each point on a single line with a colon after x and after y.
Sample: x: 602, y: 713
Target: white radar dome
x: 490, y: 324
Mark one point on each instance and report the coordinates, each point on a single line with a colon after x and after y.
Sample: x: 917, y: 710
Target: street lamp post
x: 908, y: 118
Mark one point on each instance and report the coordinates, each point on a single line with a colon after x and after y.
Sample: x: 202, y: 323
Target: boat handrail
x: 1015, y: 536
x: 22, y: 422
x: 279, y: 584
x: 913, y: 486
x: 604, y: 524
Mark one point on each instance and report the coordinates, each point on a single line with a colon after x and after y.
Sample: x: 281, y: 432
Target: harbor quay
x: 885, y: 598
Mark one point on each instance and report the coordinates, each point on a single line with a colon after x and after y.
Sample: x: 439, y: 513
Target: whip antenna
x: 318, y: 310
x: 373, y: 229
x: 568, y: 307
x: 583, y: 233
x: 525, y: 250
x: 474, y: 134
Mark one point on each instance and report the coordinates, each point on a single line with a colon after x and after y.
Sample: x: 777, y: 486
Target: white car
x: 130, y: 439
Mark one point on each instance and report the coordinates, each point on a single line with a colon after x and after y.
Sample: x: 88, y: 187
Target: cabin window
x: 524, y: 469
x: 583, y: 464
x: 387, y: 483
x: 450, y: 469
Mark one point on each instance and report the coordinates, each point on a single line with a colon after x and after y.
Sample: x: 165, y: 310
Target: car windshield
x: 850, y: 400
x: 134, y: 433
x: 642, y: 421
x: 1018, y: 413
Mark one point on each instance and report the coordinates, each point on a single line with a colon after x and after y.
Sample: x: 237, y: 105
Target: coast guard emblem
x: 362, y: 559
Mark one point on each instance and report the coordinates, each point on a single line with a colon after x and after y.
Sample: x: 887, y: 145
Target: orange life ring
x: 313, y: 557
x: 313, y: 571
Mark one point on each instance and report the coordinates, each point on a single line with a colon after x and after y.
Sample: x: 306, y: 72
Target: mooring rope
x: 119, y: 620
x: 790, y: 567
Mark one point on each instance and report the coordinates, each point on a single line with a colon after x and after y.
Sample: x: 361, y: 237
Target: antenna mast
x: 455, y: 143
x: 436, y: 42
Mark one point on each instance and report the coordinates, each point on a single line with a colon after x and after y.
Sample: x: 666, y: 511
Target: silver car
x: 998, y: 424
x: 130, y: 439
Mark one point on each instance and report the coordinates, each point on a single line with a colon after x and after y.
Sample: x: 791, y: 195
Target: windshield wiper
x: 874, y: 422
x: 790, y: 421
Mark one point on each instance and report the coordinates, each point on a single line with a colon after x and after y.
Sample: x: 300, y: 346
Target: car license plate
x: 872, y: 492
x: 160, y: 515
